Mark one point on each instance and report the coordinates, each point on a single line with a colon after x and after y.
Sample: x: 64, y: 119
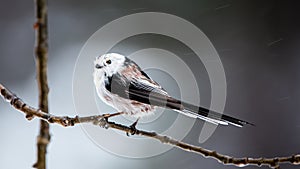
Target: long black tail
x: 205, y: 114
x: 211, y: 116
x: 158, y: 99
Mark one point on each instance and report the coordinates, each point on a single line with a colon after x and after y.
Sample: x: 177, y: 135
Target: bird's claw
x: 133, y: 129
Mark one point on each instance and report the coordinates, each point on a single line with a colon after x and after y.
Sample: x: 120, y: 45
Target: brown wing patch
x: 131, y: 71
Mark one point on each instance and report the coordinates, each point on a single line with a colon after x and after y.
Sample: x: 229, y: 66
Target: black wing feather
x: 138, y: 91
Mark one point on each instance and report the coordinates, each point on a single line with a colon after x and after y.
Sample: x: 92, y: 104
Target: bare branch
x: 41, y: 52
x: 101, y: 120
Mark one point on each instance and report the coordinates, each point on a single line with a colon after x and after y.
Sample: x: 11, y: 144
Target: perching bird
x: 122, y: 84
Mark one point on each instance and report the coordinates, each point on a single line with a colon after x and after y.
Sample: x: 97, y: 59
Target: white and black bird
x: 122, y: 84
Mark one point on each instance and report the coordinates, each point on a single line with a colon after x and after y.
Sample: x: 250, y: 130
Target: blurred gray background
x: 258, y: 43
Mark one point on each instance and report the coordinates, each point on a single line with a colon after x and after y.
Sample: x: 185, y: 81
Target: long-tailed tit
x: 122, y: 84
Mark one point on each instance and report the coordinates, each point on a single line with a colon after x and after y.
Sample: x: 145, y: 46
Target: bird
x: 123, y: 85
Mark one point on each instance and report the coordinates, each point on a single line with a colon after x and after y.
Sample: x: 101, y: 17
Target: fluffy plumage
x: 122, y: 84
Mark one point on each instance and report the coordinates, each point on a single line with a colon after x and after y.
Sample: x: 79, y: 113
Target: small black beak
x: 98, y: 66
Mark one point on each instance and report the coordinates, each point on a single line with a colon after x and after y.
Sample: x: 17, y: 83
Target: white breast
x: 127, y: 106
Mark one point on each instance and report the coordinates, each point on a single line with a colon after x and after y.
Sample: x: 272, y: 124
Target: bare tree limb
x: 41, y: 54
x: 101, y: 120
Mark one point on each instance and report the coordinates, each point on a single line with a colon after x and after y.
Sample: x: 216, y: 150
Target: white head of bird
x: 109, y: 63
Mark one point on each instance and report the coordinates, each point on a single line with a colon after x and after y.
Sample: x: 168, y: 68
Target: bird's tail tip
x: 248, y: 123
x: 217, y: 118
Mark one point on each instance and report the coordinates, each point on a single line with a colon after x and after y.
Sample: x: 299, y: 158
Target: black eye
x: 108, y: 62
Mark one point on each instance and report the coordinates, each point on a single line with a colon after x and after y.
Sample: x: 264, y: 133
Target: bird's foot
x: 133, y: 130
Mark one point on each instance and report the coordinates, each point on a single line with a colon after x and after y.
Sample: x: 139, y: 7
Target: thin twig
x: 101, y: 120
x: 41, y: 54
